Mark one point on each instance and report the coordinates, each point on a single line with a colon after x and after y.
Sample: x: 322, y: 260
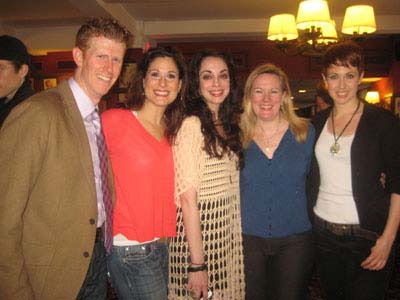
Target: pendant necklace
x: 268, y: 139
x: 335, y: 148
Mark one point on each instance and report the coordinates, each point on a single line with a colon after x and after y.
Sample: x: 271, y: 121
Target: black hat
x: 13, y: 49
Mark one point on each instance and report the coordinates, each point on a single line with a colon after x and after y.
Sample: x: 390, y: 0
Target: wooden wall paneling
x: 60, y: 65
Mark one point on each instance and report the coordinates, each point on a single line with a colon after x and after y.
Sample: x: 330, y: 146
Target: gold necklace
x: 335, y: 148
x: 268, y: 139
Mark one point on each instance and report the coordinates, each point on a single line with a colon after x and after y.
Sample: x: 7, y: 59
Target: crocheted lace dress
x: 217, y: 184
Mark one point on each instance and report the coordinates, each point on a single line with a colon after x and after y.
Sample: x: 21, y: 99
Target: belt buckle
x: 339, y: 229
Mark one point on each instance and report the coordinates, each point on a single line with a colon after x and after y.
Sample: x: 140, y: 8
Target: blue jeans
x: 140, y: 272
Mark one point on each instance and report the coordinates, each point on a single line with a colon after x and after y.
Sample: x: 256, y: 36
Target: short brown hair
x: 106, y: 27
x: 346, y: 53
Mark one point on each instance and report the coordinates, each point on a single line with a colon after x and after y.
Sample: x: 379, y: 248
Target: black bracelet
x: 202, y: 267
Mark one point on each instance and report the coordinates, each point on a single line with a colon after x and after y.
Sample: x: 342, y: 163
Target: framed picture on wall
x: 49, y: 83
x: 127, y: 73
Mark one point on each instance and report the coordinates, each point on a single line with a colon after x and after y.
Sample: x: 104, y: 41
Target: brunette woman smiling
x: 206, y: 255
x: 141, y: 156
x: 355, y: 218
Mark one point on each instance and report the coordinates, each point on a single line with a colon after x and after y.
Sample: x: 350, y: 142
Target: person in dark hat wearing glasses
x: 15, y: 86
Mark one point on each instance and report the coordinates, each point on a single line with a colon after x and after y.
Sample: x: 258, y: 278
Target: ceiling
x: 180, y: 20
x: 171, y: 19
x: 151, y: 10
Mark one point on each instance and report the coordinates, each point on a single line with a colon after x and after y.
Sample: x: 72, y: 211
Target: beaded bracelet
x: 202, y: 267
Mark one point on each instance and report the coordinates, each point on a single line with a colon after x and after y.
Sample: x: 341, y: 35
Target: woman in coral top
x: 137, y: 139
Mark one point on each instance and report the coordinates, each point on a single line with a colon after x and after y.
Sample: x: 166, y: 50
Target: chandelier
x: 313, y: 29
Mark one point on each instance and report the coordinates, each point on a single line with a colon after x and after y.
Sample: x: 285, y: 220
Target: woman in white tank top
x: 355, y: 217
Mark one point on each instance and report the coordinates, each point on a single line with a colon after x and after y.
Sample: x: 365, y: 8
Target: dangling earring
x: 179, y: 97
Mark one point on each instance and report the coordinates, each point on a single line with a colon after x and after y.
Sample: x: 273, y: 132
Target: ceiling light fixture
x: 313, y: 29
x: 372, y: 97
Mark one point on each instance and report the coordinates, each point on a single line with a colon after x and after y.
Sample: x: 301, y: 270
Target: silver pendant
x: 334, y: 149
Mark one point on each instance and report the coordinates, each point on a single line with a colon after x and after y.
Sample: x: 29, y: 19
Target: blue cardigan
x: 273, y: 194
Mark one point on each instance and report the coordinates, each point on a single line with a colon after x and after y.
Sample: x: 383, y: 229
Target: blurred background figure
x: 14, y: 68
x: 322, y: 99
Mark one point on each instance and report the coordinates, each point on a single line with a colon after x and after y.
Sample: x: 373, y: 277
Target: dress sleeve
x: 188, y: 156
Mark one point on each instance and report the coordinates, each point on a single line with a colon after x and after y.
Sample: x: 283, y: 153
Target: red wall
x: 378, y: 53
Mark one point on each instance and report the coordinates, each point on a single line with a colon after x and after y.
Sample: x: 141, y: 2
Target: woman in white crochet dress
x: 206, y: 256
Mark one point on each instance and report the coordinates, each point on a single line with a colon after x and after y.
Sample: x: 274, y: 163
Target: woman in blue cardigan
x: 277, y: 241
x: 355, y: 219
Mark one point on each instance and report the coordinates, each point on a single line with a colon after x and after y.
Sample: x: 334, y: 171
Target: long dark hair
x: 136, y: 95
x: 228, y: 114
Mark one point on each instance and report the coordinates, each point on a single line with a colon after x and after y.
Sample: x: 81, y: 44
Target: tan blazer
x: 48, y: 207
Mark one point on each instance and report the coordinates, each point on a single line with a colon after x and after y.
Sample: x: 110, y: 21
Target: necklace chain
x: 335, y: 148
x: 268, y: 139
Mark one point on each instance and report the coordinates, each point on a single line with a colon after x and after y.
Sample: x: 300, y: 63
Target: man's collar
x: 9, y: 97
x: 84, y: 103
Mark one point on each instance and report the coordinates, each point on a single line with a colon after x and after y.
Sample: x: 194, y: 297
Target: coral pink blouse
x: 144, y: 178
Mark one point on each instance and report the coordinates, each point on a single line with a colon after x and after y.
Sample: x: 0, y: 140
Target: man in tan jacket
x: 52, y: 190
